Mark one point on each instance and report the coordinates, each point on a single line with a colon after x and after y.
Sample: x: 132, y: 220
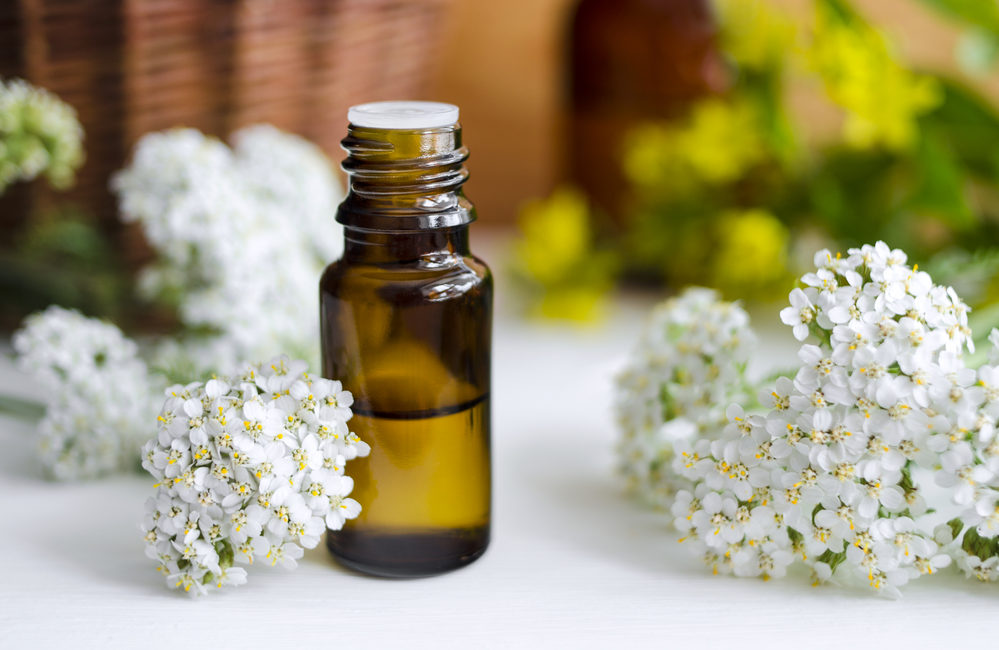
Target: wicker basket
x: 134, y: 66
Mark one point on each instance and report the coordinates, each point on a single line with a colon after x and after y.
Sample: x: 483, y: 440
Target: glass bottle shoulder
x: 429, y: 278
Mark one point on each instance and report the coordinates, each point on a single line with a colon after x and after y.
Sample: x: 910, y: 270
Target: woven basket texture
x: 129, y: 67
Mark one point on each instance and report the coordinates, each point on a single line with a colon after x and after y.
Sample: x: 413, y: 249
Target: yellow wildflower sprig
x: 557, y: 260
x: 860, y: 72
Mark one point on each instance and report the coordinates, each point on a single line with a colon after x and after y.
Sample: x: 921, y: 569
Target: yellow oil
x: 425, y: 486
x: 427, y: 470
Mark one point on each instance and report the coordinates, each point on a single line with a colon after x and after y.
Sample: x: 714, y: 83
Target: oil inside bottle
x: 426, y: 484
x: 426, y: 503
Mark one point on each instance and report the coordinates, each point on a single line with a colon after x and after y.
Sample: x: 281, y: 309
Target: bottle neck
x: 405, y: 181
x: 433, y: 245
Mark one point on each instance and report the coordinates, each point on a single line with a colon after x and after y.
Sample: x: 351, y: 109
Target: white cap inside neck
x: 403, y: 115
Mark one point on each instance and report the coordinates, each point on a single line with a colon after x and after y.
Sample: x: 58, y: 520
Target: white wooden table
x: 572, y: 563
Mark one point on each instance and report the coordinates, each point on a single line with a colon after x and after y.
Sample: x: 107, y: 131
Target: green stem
x: 21, y: 408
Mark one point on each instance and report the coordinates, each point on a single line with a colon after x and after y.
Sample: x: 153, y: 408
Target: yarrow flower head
x: 39, y: 134
x: 969, y: 467
x: 97, y: 393
x: 292, y: 176
x: 689, y: 363
x: 250, y: 468
x: 240, y: 234
x: 827, y: 475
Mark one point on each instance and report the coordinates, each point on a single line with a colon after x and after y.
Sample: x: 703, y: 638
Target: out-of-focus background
x: 615, y: 143
x: 505, y: 64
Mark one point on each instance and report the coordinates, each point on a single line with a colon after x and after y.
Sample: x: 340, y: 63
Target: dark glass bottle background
x: 406, y: 317
x: 632, y: 61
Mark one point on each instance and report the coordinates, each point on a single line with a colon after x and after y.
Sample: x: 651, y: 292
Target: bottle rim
x: 403, y: 115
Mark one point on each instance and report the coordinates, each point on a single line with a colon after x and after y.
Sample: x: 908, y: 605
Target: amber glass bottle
x: 406, y: 317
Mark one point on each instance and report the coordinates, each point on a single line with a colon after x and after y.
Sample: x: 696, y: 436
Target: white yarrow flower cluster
x: 969, y: 467
x: 98, y: 393
x: 241, y: 235
x: 689, y: 364
x: 249, y: 467
x: 827, y: 474
x: 39, y: 134
x: 293, y: 177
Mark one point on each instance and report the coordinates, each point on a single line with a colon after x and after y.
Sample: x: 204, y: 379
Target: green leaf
x: 983, y: 14
x: 981, y: 547
x: 767, y: 94
x: 939, y: 184
x: 226, y: 554
x: 832, y: 559
x: 969, y: 125
x: 668, y: 403
x: 22, y: 409
x: 842, y: 10
x: 63, y: 258
x: 855, y: 195
x: 956, y: 526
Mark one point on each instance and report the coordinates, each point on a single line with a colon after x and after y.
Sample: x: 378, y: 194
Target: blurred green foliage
x: 64, y: 258
x: 61, y: 256
x: 978, y: 50
x: 731, y: 194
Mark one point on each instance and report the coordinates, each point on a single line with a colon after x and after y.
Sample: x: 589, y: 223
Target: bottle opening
x: 403, y: 115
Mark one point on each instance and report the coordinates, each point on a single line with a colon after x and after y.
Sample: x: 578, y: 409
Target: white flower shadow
x: 575, y: 500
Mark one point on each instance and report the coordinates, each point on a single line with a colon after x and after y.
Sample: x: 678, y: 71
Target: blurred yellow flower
x: 716, y: 144
x: 556, y: 236
x: 571, y: 303
x: 751, y: 253
x: 557, y: 260
x: 651, y: 158
x: 881, y: 97
x: 755, y: 34
x: 722, y: 140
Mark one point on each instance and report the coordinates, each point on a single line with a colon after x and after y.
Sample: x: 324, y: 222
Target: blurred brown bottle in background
x: 632, y: 61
